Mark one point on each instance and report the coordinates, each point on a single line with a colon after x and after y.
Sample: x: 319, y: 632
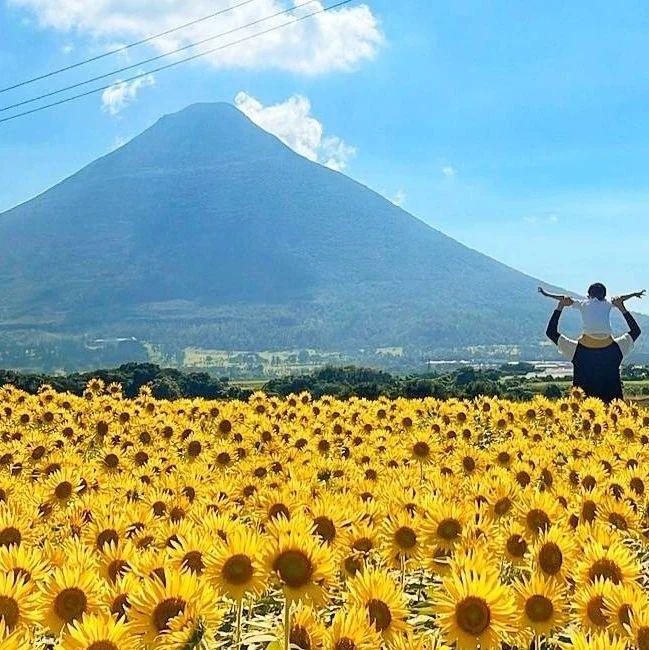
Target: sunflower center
x: 325, y: 529
x: 550, y: 558
x: 63, y: 490
x: 537, y: 520
x: 278, y: 510
x: 165, y: 611
x: 10, y: 611
x: 516, y: 546
x: 102, y: 645
x: 294, y: 568
x: 352, y: 565
x: 194, y: 561
x: 595, y: 611
x: 106, y: 537
x: 237, y: 570
x: 344, y: 643
x: 405, y: 537
x: 300, y: 637
x: 538, y: 608
x: 379, y: 614
x: 116, y: 569
x: 618, y: 521
x: 642, y: 638
x: 20, y: 574
x: 473, y: 615
x: 70, y: 604
x: 502, y: 506
x: 9, y: 536
x: 421, y: 449
x: 449, y: 529
x: 363, y: 545
x: 624, y: 614
x: 119, y: 605
x: 606, y: 569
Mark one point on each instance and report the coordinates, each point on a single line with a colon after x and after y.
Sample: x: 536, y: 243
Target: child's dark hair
x: 597, y: 290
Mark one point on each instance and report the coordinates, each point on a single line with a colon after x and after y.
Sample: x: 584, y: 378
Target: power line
x: 124, y: 48
x: 154, y: 58
x: 176, y: 63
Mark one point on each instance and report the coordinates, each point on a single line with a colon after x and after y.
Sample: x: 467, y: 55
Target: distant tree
x: 552, y: 391
x: 165, y: 388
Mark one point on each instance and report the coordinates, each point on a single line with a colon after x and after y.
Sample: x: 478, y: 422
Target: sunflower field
x: 321, y: 524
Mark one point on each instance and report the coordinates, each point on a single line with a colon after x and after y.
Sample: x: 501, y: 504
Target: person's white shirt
x: 595, y: 316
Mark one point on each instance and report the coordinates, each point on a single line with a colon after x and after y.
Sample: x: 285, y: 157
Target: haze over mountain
x: 207, y: 231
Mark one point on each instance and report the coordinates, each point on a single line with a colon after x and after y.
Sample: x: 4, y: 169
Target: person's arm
x: 552, y: 330
x: 555, y: 296
x: 634, y: 328
x: 635, y: 294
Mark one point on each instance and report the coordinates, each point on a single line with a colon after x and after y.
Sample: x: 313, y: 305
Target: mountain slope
x: 206, y: 230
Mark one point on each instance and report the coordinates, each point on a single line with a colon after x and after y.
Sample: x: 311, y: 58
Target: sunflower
x: 329, y: 515
x: 15, y: 526
x: 401, y: 539
x: 189, y: 550
x: 383, y: 601
x: 619, y: 514
x: 307, y: 631
x: 517, y: 543
x: 589, y: 604
x: 18, y: 640
x: 624, y: 603
x: 554, y: 553
x: 580, y: 640
x: 350, y: 630
x: 615, y: 563
x: 541, y: 602
x: 68, y: 594
x: 234, y: 566
x: 474, y: 610
x: 159, y: 607
x: 19, y: 604
x: 639, y: 629
x: 302, y: 567
x: 115, y: 560
x: 27, y: 563
x: 537, y: 511
x: 94, y: 631
x: 443, y: 522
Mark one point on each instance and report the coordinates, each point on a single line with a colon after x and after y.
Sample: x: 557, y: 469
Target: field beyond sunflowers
x: 355, y: 525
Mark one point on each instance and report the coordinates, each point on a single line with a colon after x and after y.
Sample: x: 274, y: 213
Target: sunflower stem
x: 237, y: 638
x: 287, y: 624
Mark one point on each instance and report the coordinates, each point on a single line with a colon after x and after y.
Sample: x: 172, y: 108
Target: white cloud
x: 291, y: 121
x: 448, y: 171
x: 122, y: 93
x: 399, y: 198
x: 340, y: 39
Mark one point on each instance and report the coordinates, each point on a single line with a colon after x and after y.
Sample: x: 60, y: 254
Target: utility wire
x: 154, y: 58
x: 124, y: 48
x: 176, y: 63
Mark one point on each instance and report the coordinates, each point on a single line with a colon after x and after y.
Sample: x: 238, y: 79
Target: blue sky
x: 519, y: 129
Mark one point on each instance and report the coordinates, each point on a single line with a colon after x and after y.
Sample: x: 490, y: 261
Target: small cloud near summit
x: 291, y: 121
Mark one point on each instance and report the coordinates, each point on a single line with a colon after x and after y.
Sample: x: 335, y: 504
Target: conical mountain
x: 206, y: 230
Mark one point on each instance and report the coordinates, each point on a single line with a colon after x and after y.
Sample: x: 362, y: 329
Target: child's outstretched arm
x: 635, y: 294
x: 556, y: 296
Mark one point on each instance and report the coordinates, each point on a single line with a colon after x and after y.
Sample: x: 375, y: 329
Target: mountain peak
x: 207, y: 231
